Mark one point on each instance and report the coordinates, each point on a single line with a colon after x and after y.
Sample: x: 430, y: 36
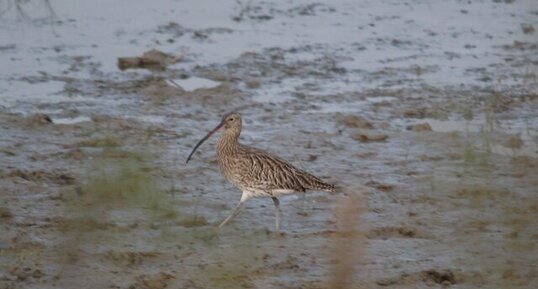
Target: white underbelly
x: 256, y: 193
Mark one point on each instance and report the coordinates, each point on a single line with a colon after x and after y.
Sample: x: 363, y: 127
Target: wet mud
x: 430, y: 130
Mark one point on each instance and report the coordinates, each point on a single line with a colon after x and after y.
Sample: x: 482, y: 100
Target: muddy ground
x: 435, y: 146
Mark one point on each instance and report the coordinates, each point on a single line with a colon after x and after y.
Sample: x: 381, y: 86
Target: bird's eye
x: 231, y: 119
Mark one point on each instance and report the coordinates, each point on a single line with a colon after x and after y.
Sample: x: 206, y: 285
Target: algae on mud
x: 93, y: 188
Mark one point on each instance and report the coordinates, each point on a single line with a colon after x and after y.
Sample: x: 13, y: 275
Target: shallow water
x: 93, y: 158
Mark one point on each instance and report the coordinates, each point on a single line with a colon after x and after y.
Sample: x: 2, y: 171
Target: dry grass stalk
x: 348, y: 247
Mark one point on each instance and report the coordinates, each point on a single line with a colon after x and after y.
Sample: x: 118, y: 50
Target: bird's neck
x: 228, y: 142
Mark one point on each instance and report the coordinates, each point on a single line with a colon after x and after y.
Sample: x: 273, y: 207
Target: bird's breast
x: 230, y: 169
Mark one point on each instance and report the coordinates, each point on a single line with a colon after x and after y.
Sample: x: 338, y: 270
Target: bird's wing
x: 265, y: 171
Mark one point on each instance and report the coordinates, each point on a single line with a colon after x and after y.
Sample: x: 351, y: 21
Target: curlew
x: 255, y: 172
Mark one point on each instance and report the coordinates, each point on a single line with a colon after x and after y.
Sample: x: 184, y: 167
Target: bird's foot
x: 208, y: 234
x: 276, y: 233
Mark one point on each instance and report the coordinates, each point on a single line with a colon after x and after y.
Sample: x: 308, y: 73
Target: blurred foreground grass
x: 118, y: 191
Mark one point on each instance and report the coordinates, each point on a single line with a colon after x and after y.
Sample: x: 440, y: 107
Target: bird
x: 256, y: 172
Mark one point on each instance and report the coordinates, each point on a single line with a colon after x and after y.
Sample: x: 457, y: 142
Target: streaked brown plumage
x: 255, y: 172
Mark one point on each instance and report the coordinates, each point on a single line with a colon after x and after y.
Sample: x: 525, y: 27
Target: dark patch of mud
x: 109, y: 198
x: 41, y: 176
x: 267, y: 11
x: 156, y: 281
x: 393, y: 232
x: 431, y: 277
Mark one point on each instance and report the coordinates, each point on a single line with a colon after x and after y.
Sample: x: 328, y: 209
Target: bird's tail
x: 314, y: 183
x: 336, y: 189
x: 331, y: 188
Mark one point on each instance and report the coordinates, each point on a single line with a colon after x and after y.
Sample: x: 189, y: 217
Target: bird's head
x: 231, y: 123
x: 231, y: 120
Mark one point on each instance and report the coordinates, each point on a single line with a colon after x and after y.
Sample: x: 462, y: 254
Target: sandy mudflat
x: 426, y: 112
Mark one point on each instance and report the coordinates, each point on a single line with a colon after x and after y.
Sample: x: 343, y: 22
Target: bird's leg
x: 277, y: 213
x: 233, y: 214
x: 303, y: 203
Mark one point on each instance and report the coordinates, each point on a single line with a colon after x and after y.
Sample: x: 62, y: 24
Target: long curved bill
x: 203, y: 140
